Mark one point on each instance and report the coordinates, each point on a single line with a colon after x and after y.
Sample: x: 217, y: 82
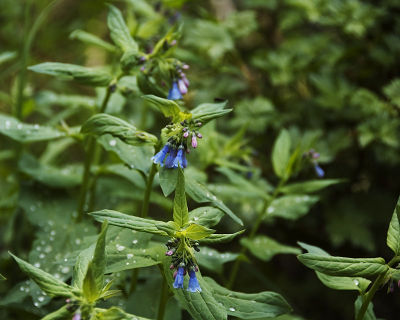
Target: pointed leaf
x: 84, y: 75
x: 309, y: 186
x: 220, y: 237
x: 115, y: 313
x: 206, y: 216
x: 92, y: 39
x: 81, y: 266
x: 344, y: 283
x: 168, y: 180
x: 281, y: 153
x: 119, y: 31
x: 89, y: 287
x: 197, y: 232
x: 61, y: 314
x: 209, y: 111
x: 99, y: 257
x: 169, y: 108
x: 181, y: 215
x: 393, y: 234
x: 47, y: 282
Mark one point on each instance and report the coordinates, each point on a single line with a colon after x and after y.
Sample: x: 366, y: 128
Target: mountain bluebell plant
x: 313, y: 156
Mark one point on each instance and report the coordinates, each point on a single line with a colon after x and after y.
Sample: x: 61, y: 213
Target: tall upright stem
x: 89, y: 160
x: 253, y: 231
x: 163, y: 300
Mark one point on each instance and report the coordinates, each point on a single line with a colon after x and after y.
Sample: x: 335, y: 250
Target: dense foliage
x: 190, y: 159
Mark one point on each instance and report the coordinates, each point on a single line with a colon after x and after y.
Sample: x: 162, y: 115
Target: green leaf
x: 103, y: 123
x: 220, y: 237
x: 343, y: 266
x: 213, y: 260
x: 115, y: 313
x: 23, y: 132
x: 136, y: 157
x: 369, y: 314
x: 393, y: 234
x: 206, y: 216
x: 81, y: 266
x: 168, y: 180
x: 201, y: 305
x: 249, y: 305
x: 7, y: 56
x: 119, y: 31
x: 61, y: 314
x: 132, y: 222
x: 344, y: 283
x: 99, y: 258
x: 291, y: 206
x: 169, y: 108
x: 309, y: 186
x: 266, y: 248
x: 281, y: 154
x: 84, y: 75
x: 89, y: 38
x: 197, y: 232
x: 48, y: 283
x: 209, y: 111
x: 181, y: 215
x: 200, y: 193
x: 89, y: 287
x: 2, y: 277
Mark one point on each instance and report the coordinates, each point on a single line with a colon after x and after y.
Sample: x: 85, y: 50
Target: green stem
x: 89, y: 160
x: 253, y: 231
x: 163, y: 300
x: 149, y: 185
x: 371, y: 292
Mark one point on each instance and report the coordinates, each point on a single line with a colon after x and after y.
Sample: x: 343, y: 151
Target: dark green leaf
x: 84, y: 75
x: 309, y: 186
x: 249, y: 305
x: 92, y: 39
x: 291, y: 206
x: 48, y: 283
x: 393, y: 234
x: 181, y: 215
x: 369, y: 314
x: 169, y: 108
x: 209, y: 111
x: 212, y: 259
x: 344, y: 283
x: 206, y: 216
x: 168, y: 180
x: 220, y: 237
x: 60, y: 314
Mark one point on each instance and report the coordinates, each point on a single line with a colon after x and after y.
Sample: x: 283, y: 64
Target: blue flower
x: 194, y: 285
x: 319, y: 171
x: 174, y: 93
x: 160, y: 156
x: 169, y: 162
x: 180, y: 159
x: 178, y: 283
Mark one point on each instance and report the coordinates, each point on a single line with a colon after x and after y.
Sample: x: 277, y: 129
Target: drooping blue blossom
x: 178, y: 283
x: 160, y: 156
x: 174, y: 93
x: 169, y: 161
x: 194, y: 285
x: 319, y: 171
x: 180, y: 159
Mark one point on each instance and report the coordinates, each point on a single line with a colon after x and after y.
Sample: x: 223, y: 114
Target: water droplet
x: 270, y: 210
x: 48, y: 249
x: 57, y: 275
x: 36, y: 126
x: 41, y: 299
x: 41, y: 256
x: 32, y: 208
x: 36, y: 304
x: 19, y: 126
x: 127, y: 263
x: 8, y: 124
x: 37, y: 265
x: 120, y: 247
x: 77, y: 241
x: 65, y: 270
x: 232, y: 309
x: 65, y: 260
x: 134, y: 241
x: 356, y: 282
x: 113, y: 142
x: 196, y: 218
x: 129, y: 256
x: 22, y: 288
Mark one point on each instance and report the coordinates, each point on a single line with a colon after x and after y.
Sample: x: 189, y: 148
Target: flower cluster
x: 179, y: 87
x: 183, y: 261
x: 173, y: 154
x: 313, y: 156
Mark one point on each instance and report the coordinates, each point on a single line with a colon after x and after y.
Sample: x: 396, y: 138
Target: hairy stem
x: 253, y: 231
x: 89, y: 160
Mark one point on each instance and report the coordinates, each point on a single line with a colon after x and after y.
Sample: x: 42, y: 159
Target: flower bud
x: 194, y: 141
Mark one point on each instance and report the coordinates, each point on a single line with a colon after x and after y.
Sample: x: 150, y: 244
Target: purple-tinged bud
x: 171, y: 267
x: 315, y: 155
x: 68, y: 300
x: 196, y: 268
x: 185, y: 79
x: 199, y: 124
x: 187, y: 150
x: 142, y: 68
x: 184, y: 129
x: 182, y: 86
x: 169, y: 253
x: 77, y: 316
x: 142, y: 59
x: 185, y: 67
x: 398, y: 283
x: 199, y: 135
x: 186, y: 134
x: 194, y: 141
x: 173, y: 42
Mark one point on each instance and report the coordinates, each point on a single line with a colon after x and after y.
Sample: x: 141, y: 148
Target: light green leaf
x: 197, y: 232
x: 81, y: 266
x: 168, y: 180
x: 119, y: 31
x: 206, y: 216
x: 84, y: 75
x: 209, y: 111
x: 220, y: 237
x: 99, y: 258
x: 264, y: 304
x: 313, y: 249
x: 48, y: 283
x: 7, y: 56
x: 309, y: 186
x: 344, y: 283
x: 201, y: 194
x: 169, y: 108
x: 212, y: 259
x: 281, y: 153
x: 115, y: 313
x: 132, y: 222
x: 92, y: 39
x: 23, y: 132
x: 266, y: 248
x: 201, y: 305
x: 291, y: 206
x: 181, y: 215
x: 89, y: 287
x: 393, y: 234
x: 103, y: 123
x: 343, y: 266
x: 369, y: 314
x: 60, y: 314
